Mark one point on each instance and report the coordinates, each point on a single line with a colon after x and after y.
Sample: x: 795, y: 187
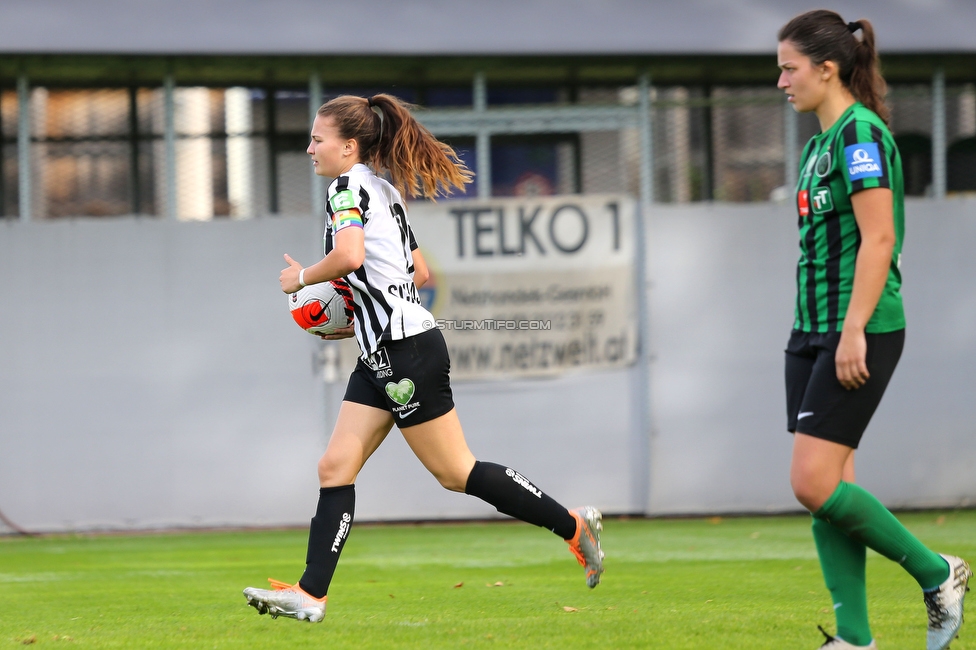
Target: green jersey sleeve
x: 867, y: 156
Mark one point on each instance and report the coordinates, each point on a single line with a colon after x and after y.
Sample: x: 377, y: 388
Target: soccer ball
x: 322, y: 308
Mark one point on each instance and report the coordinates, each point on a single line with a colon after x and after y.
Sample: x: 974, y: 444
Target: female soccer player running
x: 402, y: 376
x: 850, y: 325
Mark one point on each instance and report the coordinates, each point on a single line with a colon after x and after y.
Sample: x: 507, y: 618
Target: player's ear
x: 828, y: 69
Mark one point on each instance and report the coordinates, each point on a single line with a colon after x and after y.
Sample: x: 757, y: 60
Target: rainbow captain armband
x: 345, y: 212
x: 346, y: 218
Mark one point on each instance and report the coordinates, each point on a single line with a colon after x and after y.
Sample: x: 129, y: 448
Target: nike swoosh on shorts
x: 804, y: 414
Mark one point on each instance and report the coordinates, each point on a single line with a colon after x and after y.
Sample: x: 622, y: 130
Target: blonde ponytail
x: 390, y: 138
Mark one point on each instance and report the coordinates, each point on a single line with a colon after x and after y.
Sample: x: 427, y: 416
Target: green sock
x: 842, y: 560
x: 856, y: 512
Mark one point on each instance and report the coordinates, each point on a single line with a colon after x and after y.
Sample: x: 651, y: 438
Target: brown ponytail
x: 823, y: 36
x: 419, y: 164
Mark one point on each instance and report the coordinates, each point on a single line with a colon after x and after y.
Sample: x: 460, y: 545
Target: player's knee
x: 334, y: 471
x: 804, y: 495
x: 808, y: 491
x: 452, y: 480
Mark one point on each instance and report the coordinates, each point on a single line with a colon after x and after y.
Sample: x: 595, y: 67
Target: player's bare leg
x: 358, y: 432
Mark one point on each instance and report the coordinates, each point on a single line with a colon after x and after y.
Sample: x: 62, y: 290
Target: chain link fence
x: 912, y: 120
x: 8, y: 152
x: 204, y: 153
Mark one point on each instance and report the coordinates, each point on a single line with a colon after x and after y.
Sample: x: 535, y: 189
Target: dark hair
x: 419, y: 164
x: 823, y: 36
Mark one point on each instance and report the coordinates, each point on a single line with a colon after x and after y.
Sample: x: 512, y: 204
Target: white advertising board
x: 527, y: 287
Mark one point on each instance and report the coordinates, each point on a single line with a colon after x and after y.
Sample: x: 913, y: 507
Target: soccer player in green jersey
x: 850, y: 325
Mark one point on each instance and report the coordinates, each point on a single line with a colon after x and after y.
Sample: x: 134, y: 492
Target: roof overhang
x: 458, y: 27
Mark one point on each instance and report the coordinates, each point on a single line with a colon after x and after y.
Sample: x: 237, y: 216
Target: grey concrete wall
x: 150, y: 376
x: 722, y: 291
x: 137, y: 383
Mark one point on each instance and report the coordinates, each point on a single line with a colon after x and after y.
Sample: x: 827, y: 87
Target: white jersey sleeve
x: 387, y: 302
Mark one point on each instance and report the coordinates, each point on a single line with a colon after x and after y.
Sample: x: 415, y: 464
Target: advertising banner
x: 530, y: 286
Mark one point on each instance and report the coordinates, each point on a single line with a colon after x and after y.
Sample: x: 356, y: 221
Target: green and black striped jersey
x: 856, y: 153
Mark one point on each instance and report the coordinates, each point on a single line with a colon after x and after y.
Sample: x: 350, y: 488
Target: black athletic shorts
x: 410, y: 378
x: 816, y: 402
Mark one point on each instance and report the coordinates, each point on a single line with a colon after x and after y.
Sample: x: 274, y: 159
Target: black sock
x: 326, y: 537
x: 513, y: 495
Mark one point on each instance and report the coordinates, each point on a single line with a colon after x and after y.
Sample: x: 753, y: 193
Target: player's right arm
x: 349, y: 250
x: 347, y: 256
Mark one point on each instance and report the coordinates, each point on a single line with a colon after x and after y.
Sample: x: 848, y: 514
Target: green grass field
x: 728, y: 583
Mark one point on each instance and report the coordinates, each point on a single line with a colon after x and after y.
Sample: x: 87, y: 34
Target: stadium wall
x: 722, y: 292
x: 149, y: 377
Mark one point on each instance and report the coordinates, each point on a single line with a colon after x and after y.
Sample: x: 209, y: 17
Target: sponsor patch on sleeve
x: 343, y: 200
x: 346, y: 218
x: 863, y: 160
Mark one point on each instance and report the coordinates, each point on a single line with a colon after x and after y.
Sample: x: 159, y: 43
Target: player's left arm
x: 339, y: 334
x: 874, y: 213
x: 418, y: 265
x: 420, y: 271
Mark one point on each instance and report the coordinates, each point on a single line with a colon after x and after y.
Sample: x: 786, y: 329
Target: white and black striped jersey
x: 388, y: 304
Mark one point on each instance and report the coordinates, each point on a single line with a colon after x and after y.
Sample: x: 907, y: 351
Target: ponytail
x: 390, y: 138
x: 866, y: 82
x: 823, y: 36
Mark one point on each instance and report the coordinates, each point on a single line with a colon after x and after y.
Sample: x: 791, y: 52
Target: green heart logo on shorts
x: 401, y: 392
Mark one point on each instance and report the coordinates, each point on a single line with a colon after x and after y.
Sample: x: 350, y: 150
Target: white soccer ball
x: 322, y: 308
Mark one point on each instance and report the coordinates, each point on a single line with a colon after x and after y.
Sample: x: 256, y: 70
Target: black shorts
x: 410, y: 378
x: 816, y: 402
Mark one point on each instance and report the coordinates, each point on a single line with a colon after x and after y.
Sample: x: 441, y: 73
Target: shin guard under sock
x: 326, y: 537
x: 512, y: 494
x: 859, y: 514
x: 843, y: 561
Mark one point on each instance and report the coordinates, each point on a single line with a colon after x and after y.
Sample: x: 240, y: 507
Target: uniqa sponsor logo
x: 863, y: 163
x: 524, y: 482
x: 343, y: 531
